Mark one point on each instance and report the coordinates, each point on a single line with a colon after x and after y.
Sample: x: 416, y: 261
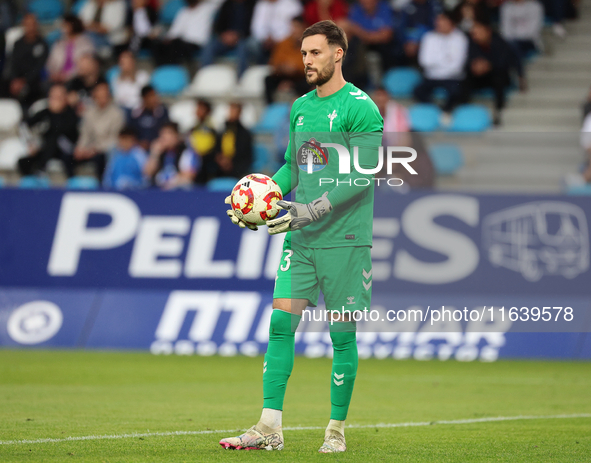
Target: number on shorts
x: 286, y: 258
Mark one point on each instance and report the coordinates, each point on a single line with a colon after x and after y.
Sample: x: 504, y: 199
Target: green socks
x: 278, y: 361
x: 344, y: 368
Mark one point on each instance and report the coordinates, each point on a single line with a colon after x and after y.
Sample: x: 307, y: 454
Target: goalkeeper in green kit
x: 329, y: 232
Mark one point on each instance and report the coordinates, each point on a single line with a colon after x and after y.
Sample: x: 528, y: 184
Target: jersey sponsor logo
x: 311, y: 157
x: 300, y: 120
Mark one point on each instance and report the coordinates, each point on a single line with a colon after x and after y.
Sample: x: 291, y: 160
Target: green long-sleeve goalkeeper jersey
x: 351, y: 119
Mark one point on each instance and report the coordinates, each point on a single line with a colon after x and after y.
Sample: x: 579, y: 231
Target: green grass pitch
x: 55, y: 394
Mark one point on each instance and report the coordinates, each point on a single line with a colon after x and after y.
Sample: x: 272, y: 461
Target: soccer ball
x: 254, y: 198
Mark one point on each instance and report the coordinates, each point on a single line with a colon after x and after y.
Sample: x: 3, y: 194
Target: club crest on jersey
x: 332, y: 117
x: 311, y: 157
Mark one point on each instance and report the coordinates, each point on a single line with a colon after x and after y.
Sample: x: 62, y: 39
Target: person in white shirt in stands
x: 442, y: 56
x: 143, y: 25
x: 105, y: 23
x: 521, y: 25
x: 127, y: 87
x: 271, y: 23
x: 190, y: 31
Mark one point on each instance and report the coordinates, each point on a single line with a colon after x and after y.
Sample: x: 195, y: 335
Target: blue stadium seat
x: 82, y: 183
x: 447, y: 159
x: 170, y: 80
x: 33, y: 182
x: 470, y: 118
x: 224, y: 184
x: 77, y: 7
x: 274, y: 115
x: 261, y: 155
x: 579, y: 190
x: 401, y: 82
x: 424, y: 117
x: 169, y: 10
x: 46, y: 11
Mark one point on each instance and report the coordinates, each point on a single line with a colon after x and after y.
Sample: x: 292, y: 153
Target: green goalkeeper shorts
x: 342, y: 274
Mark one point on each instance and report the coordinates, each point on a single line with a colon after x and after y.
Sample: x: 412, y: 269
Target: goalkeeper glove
x: 299, y: 215
x: 235, y: 220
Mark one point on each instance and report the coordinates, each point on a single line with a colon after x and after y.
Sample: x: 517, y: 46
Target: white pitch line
x: 300, y: 428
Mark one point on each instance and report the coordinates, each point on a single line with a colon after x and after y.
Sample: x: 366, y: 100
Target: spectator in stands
x: 395, y: 115
x: 25, y: 73
x: 442, y: 57
x: 372, y: 22
x: 65, y: 54
x: 105, y: 23
x: 469, y: 11
x: 80, y: 87
x: 143, y: 21
x: 204, y: 141
x: 490, y: 62
x: 425, y: 177
x: 230, y: 32
x: 190, y: 31
x: 397, y: 133
x: 171, y: 163
x: 324, y: 10
x: 8, y: 13
x: 58, y: 124
x: 417, y: 18
x: 100, y: 128
x: 521, y: 25
x: 127, y: 87
x: 235, y: 156
x: 286, y: 61
x: 125, y: 169
x: 148, y: 119
x: 270, y: 25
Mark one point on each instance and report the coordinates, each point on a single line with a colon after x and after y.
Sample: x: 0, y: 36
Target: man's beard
x: 321, y: 77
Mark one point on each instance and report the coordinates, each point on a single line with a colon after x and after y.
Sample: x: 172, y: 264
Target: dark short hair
x: 333, y: 33
x: 451, y: 15
x: 75, y: 23
x: 205, y: 103
x: 147, y: 89
x: 483, y: 21
x: 170, y: 125
x: 128, y: 131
